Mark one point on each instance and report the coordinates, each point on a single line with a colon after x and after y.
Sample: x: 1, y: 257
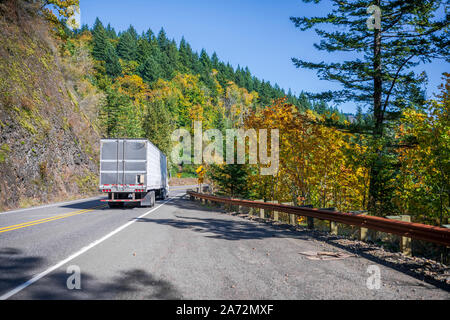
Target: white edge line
x: 73, y: 256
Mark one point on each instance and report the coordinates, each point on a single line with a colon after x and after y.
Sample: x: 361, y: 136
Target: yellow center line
x: 40, y: 221
x: 60, y: 215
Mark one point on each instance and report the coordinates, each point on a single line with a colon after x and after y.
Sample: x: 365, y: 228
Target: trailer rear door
x: 123, y: 162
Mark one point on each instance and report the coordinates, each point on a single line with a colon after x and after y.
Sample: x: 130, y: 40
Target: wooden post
x: 261, y: 211
x: 333, y: 228
x: 292, y: 217
x: 275, y: 213
x: 363, y: 234
x: 250, y: 211
x: 310, y: 222
x: 444, y: 249
x: 405, y: 242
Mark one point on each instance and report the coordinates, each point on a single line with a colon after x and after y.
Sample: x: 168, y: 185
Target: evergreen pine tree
x: 111, y: 32
x: 231, y: 179
x: 100, y: 41
x: 112, y: 64
x: 127, y: 47
x: 144, y: 50
x: 150, y: 71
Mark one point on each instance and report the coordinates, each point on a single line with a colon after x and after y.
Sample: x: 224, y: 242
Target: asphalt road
x: 177, y: 250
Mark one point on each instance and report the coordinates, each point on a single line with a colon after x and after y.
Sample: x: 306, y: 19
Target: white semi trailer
x: 132, y: 171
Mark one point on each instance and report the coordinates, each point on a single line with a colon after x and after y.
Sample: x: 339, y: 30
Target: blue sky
x: 253, y: 33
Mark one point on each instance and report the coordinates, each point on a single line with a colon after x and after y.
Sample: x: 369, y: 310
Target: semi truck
x: 132, y: 171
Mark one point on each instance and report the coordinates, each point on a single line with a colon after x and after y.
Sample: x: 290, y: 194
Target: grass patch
x: 4, y: 150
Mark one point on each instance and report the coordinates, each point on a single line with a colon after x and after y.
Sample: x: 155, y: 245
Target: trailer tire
x: 153, y: 199
x: 163, y: 194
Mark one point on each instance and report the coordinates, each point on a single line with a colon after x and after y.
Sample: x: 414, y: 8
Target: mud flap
x: 149, y: 199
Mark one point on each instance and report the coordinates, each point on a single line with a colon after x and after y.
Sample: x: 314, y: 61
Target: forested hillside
x: 153, y: 84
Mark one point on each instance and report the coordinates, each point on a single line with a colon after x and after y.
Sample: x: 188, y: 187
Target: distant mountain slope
x: 48, y: 144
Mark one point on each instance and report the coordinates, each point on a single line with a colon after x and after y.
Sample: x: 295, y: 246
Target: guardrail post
x: 363, y: 232
x: 444, y: 251
x: 275, y: 213
x: 333, y: 228
x: 292, y: 217
x: 333, y: 225
x: 310, y: 222
x: 253, y: 211
x: 405, y: 242
x: 261, y: 211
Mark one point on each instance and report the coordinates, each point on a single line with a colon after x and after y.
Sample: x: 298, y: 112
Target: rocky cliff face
x: 48, y: 140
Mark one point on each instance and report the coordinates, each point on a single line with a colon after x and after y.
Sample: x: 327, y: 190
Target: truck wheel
x: 153, y: 199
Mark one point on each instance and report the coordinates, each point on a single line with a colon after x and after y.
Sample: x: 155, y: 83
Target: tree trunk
x: 374, y: 187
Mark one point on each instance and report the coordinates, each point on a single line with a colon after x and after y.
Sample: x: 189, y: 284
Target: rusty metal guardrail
x: 407, y: 229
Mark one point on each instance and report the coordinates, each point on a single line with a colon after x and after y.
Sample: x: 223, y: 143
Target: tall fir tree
x: 151, y: 70
x: 127, y: 47
x: 100, y: 41
x: 386, y: 46
x: 112, y: 63
x: 231, y: 180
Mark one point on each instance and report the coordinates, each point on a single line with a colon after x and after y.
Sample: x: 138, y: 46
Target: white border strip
x: 73, y: 256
